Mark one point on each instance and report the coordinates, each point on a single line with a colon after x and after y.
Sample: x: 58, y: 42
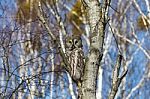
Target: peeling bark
x: 96, y: 21
x: 90, y: 76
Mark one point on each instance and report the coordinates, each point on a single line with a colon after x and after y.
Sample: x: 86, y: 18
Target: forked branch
x: 116, y: 80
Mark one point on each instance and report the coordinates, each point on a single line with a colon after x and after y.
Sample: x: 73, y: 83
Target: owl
x: 75, y: 57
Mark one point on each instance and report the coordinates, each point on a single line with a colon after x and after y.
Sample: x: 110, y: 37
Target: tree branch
x: 56, y: 41
x: 116, y: 80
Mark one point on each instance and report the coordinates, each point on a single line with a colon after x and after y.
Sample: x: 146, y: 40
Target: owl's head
x: 73, y: 42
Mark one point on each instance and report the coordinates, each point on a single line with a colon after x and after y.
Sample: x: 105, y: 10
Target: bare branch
x: 116, y: 80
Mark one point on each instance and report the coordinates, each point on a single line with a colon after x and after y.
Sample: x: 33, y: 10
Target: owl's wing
x: 75, y: 59
x: 80, y: 61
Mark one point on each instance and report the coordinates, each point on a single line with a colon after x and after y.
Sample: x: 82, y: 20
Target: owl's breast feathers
x: 76, y: 63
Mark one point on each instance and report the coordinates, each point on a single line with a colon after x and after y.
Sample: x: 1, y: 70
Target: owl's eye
x: 70, y: 41
x: 76, y: 42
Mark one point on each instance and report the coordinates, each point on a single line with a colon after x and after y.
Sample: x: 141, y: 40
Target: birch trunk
x: 96, y: 19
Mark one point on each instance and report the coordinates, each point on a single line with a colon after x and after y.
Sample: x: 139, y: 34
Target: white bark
x: 52, y: 75
x: 99, y: 85
x: 71, y: 90
x: 95, y: 19
x: 22, y: 68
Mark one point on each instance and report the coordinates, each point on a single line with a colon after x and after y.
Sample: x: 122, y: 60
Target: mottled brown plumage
x: 75, y: 56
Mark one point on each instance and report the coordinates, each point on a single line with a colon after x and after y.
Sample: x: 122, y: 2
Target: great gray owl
x: 75, y: 57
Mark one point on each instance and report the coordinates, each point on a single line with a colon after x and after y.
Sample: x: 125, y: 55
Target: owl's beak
x: 73, y: 46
